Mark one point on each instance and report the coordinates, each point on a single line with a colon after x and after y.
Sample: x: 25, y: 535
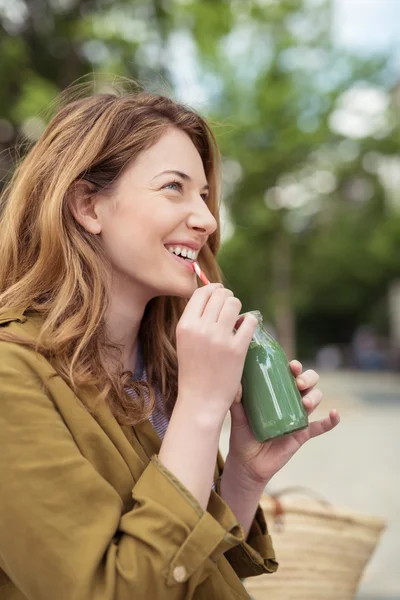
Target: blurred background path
x: 356, y: 465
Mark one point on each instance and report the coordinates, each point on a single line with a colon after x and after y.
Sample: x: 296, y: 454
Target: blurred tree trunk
x: 394, y: 322
x: 161, y: 22
x: 282, y: 292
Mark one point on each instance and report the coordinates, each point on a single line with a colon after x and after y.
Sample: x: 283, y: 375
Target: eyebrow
x: 184, y: 176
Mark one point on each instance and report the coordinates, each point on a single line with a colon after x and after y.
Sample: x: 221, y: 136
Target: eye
x: 178, y: 185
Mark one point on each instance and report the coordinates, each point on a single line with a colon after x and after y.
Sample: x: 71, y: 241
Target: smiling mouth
x: 185, y: 258
x: 187, y: 262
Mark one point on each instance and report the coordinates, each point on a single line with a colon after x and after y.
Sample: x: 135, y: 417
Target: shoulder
x: 26, y: 376
x: 25, y: 370
x: 15, y: 355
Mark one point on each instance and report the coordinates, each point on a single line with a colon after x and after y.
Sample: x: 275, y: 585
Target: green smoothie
x: 270, y: 398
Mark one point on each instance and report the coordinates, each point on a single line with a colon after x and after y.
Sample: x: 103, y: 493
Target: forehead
x: 173, y: 151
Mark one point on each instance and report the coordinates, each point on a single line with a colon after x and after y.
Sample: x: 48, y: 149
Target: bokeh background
x: 304, y: 98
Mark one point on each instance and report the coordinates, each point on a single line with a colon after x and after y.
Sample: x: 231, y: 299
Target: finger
x: 246, y: 330
x: 238, y: 396
x: 229, y: 313
x: 238, y: 416
x: 296, y: 367
x: 215, y: 304
x: 198, y: 301
x: 312, y: 400
x: 239, y: 321
x: 307, y: 380
x: 317, y: 428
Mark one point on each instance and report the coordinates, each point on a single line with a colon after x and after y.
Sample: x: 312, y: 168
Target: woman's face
x: 159, y: 202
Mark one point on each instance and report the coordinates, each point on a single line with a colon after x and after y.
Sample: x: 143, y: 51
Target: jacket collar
x: 13, y: 315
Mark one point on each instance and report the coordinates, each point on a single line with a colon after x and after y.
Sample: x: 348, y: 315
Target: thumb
x: 238, y: 416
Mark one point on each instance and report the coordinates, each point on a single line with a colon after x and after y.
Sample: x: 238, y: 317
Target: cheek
x: 129, y: 237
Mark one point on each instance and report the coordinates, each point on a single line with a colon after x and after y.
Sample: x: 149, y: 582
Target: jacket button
x: 180, y: 574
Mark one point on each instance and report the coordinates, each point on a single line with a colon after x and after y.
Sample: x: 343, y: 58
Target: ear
x: 83, y: 203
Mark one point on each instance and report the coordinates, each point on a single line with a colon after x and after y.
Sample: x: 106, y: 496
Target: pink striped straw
x: 200, y: 273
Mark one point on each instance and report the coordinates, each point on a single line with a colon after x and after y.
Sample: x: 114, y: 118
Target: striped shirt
x: 158, y: 418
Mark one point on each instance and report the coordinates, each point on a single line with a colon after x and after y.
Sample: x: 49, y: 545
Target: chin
x: 183, y: 291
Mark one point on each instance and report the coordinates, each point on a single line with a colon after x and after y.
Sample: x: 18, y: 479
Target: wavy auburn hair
x: 52, y: 266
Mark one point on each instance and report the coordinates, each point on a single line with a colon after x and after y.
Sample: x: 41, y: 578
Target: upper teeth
x: 184, y: 251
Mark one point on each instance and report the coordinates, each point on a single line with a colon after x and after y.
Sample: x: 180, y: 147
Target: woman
x: 111, y: 487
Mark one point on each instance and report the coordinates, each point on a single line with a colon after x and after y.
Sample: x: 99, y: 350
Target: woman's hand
x: 254, y: 462
x: 210, y: 355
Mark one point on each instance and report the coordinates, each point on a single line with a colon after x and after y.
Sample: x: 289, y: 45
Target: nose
x: 201, y: 218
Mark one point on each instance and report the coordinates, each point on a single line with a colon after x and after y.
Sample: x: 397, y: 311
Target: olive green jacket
x: 87, y: 511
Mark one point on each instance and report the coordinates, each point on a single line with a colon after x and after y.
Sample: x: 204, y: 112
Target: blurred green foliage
x: 316, y: 230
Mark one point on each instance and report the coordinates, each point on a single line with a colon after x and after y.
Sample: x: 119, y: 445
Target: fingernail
x: 300, y: 381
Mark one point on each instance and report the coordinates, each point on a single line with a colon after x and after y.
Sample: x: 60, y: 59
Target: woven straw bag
x: 322, y: 549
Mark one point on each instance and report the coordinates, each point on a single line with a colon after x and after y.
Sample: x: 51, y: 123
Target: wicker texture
x: 322, y: 550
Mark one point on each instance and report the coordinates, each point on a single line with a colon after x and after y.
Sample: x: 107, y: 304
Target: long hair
x: 50, y: 265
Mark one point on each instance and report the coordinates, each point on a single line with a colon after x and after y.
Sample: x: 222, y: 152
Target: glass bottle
x: 271, y: 399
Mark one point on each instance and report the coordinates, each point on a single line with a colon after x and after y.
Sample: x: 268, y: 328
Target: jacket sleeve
x: 62, y: 532
x: 255, y: 555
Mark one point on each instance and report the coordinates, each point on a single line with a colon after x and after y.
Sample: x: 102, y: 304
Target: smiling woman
x: 107, y: 193
x: 117, y: 372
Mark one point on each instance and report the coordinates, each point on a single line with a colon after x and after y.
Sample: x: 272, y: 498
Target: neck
x: 123, y: 320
